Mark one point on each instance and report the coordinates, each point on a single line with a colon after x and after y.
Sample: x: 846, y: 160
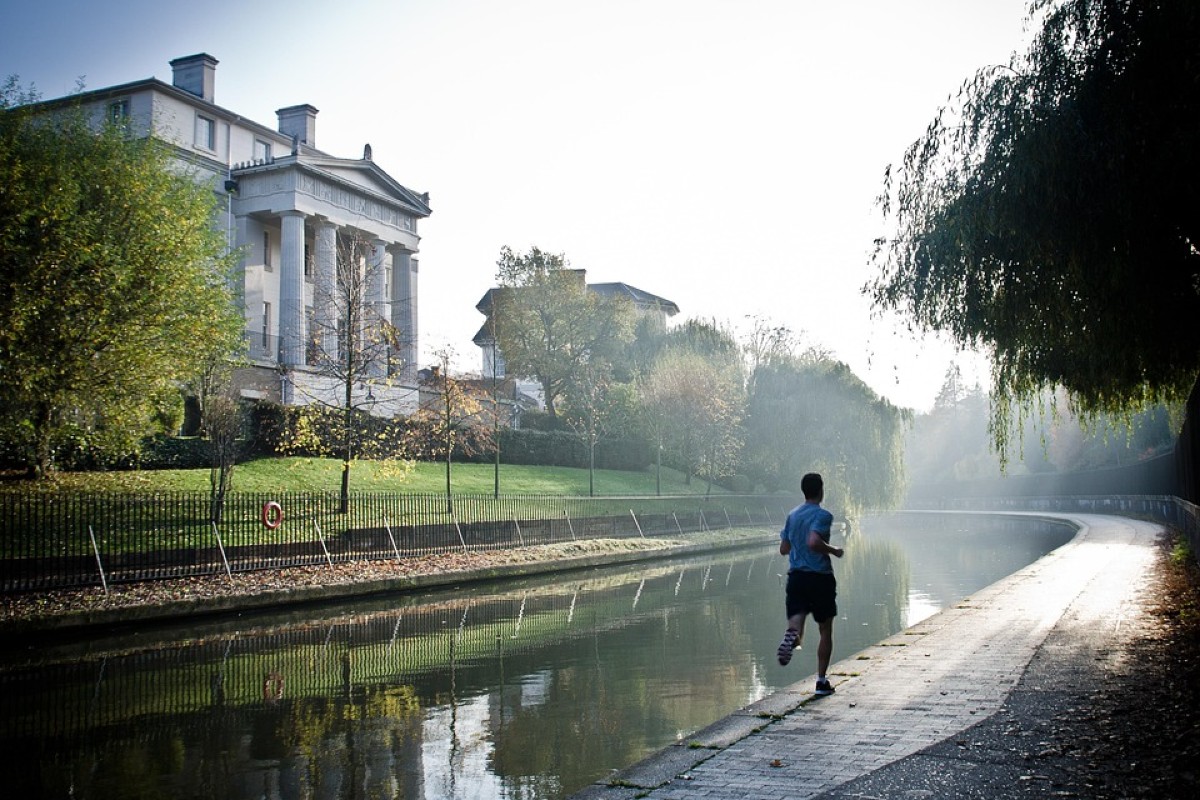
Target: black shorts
x: 812, y: 593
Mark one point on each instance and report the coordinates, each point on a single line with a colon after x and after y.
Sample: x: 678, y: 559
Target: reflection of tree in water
x: 619, y: 698
x: 877, y: 571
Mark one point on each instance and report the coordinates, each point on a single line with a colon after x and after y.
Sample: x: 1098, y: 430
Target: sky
x: 723, y: 154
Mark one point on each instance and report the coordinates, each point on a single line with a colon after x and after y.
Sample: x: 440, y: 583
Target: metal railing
x: 64, y: 540
x: 1167, y: 509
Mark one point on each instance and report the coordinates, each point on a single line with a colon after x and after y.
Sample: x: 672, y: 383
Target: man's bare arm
x: 818, y: 545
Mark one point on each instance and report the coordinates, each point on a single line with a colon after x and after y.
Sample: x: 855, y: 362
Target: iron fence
x: 66, y: 540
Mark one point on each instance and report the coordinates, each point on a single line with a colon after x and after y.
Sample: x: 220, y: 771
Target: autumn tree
x: 1050, y: 214
x: 351, y: 351
x: 598, y: 407
x: 693, y: 405
x: 116, y: 282
x: 455, y: 417
x: 549, y: 326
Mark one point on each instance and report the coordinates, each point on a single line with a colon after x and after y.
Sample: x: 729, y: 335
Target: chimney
x: 195, y: 74
x: 299, y: 122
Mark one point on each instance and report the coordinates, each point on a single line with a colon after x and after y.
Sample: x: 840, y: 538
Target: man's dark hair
x: 812, y: 485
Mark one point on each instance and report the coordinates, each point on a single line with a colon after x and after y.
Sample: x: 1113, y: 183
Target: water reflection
x: 521, y: 690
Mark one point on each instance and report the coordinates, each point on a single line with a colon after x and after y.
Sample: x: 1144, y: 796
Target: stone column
x: 377, y: 312
x: 404, y: 311
x: 291, y: 290
x: 325, y: 289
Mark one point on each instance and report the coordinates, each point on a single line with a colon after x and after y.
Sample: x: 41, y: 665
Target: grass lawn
x: 324, y: 475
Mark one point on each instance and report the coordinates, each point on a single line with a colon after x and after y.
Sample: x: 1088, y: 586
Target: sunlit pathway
x: 913, y: 690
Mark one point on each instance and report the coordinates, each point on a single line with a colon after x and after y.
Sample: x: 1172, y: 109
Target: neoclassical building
x: 293, y: 211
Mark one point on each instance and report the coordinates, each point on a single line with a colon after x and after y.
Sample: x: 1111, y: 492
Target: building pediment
x: 367, y: 175
x: 332, y: 188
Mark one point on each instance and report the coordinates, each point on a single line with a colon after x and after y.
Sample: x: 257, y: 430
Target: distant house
x: 649, y: 306
x: 288, y: 207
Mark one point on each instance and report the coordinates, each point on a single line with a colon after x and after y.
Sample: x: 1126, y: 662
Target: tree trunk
x: 449, y: 496
x: 592, y: 469
x: 43, y: 462
x: 347, y: 446
x: 658, y: 472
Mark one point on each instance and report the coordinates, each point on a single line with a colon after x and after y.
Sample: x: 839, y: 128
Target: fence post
x: 636, y: 523
x: 221, y: 547
x: 520, y: 538
x: 460, y: 536
x: 321, y: 539
x: 99, y: 565
x: 395, y: 549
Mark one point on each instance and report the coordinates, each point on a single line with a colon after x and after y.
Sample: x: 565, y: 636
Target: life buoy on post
x: 272, y: 515
x: 272, y: 687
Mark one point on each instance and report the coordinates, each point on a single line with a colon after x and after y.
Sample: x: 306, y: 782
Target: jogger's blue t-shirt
x: 801, y: 520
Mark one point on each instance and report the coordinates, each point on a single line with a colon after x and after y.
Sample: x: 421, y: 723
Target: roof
x: 309, y: 156
x: 638, y: 297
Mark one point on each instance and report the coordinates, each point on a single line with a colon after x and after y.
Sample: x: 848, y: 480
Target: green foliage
x: 115, y: 284
x: 693, y: 402
x: 817, y: 416
x: 1051, y: 216
x: 550, y: 327
x: 951, y: 442
x: 317, y: 430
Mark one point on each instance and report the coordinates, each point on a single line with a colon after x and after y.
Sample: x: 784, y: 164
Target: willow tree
x: 806, y: 415
x: 115, y: 281
x: 1050, y: 214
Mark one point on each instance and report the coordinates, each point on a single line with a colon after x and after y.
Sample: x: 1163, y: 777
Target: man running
x: 811, y: 587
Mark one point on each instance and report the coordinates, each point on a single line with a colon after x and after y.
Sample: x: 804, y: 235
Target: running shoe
x: 791, y: 641
x: 824, y: 688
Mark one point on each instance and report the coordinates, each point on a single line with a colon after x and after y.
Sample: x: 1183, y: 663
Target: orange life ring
x: 272, y: 687
x: 272, y: 515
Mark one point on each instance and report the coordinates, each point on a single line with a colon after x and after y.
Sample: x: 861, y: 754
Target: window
x: 118, y: 112
x: 308, y: 262
x: 262, y: 150
x: 206, y: 132
x: 267, y: 249
x: 266, y: 333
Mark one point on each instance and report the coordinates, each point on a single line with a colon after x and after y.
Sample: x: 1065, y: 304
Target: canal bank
x: 78, y: 612
x: 984, y: 699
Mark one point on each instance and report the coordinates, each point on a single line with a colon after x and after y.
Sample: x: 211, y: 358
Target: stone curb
x: 185, y: 610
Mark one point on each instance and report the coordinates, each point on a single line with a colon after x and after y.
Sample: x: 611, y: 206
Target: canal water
x: 529, y: 689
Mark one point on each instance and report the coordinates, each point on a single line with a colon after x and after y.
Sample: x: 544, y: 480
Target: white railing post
x: 321, y: 539
x: 221, y: 547
x: 461, y: 540
x: 99, y: 565
x: 392, y: 538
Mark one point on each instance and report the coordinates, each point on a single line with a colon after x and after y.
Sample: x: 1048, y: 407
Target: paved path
x: 917, y: 689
